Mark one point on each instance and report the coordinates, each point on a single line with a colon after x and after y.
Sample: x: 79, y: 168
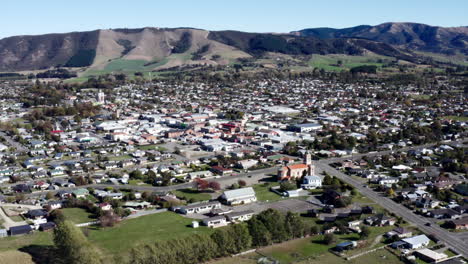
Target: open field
x: 16, y: 257
x: 263, y: 192
x: 330, y: 62
x: 17, y: 242
x: 458, y: 118
x: 308, y: 251
x: 146, y: 229
x: 192, y: 194
x: 77, y: 215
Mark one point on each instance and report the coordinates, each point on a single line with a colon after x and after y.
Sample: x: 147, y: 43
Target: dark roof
x: 47, y: 226
x: 19, y: 230
x: 37, y: 212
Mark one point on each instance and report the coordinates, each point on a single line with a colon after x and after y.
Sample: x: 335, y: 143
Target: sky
x: 32, y: 17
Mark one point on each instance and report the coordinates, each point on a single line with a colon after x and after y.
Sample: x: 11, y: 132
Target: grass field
x: 77, y: 215
x: 155, y: 227
x: 330, y: 62
x: 16, y: 242
x: 17, y: 218
x: 309, y: 251
x: 16, y: 257
x: 120, y: 158
x: 263, y: 193
x: 192, y: 194
x: 457, y: 118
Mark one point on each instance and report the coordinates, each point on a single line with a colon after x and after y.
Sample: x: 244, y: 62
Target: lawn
x: 329, y: 62
x: 263, y: 193
x: 17, y: 218
x: 16, y: 242
x: 458, y: 118
x: 120, y: 158
x: 78, y: 215
x: 192, y: 194
x: 16, y: 257
x: 146, y: 229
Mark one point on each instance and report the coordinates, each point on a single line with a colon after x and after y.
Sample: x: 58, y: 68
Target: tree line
x: 266, y: 228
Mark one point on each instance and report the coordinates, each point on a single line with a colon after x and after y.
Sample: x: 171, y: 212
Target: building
x: 298, y: 170
x: 216, y: 221
x: 101, y: 97
x: 20, y: 230
x: 239, y: 196
x: 311, y: 182
x: 459, y: 223
x: 241, y: 216
x: 430, y: 256
x: 416, y: 242
x: 200, y: 208
x: 3, y: 233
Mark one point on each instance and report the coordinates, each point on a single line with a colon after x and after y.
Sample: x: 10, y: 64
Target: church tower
x: 308, y: 161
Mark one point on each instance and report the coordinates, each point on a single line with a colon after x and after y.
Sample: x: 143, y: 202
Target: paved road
x: 12, y: 143
x: 448, y: 238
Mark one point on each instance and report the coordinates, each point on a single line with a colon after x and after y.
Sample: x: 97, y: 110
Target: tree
x: 202, y: 184
x: 73, y: 246
x: 50, y: 195
x: 109, y: 219
x: 329, y: 239
x: 214, y: 186
x: 241, y: 183
x: 390, y: 192
x: 327, y: 180
x: 287, y: 186
x: 260, y: 234
x: 365, y: 232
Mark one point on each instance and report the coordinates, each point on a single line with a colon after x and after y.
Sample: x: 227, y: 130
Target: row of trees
x: 266, y: 228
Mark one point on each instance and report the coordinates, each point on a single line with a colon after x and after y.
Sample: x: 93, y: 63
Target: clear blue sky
x: 37, y: 17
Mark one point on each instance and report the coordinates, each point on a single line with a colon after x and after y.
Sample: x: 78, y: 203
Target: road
x: 12, y: 143
x: 445, y: 236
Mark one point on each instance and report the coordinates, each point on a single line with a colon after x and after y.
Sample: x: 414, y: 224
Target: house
x: 216, y: 221
x: 330, y: 196
x: 399, y: 232
x: 36, y: 214
x: 105, y: 206
x: 239, y: 196
x: 20, y: 230
x: 380, y: 220
x: 200, y: 208
x: 430, y: 256
x: 444, y: 214
x: 47, y: 226
x: 221, y: 170
x: 241, y: 216
x: 55, y: 205
x: 80, y: 193
x: 3, y: 233
x: 416, y: 242
x: 311, y: 182
x: 458, y: 223
x: 347, y: 245
x: 199, y: 174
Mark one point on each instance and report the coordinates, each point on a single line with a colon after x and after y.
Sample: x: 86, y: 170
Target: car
x: 427, y: 224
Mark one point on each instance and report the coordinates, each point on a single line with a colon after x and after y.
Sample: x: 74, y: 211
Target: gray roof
x: 239, y: 193
x: 416, y: 240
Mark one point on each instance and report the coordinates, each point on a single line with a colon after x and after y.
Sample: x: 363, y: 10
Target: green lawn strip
x: 192, y: 194
x: 120, y: 158
x: 263, y: 193
x: 457, y: 118
x: 78, y: 215
x: 17, y: 242
x: 17, y: 218
x: 145, y: 229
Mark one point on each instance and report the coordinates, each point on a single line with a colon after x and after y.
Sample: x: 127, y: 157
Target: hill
x: 413, y: 36
x: 156, y: 49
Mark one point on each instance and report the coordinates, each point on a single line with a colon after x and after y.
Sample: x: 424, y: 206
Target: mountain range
x: 164, y: 48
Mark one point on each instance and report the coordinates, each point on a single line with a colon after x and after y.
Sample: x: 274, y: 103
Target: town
x: 352, y: 171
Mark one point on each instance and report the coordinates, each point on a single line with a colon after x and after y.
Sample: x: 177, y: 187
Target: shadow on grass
x: 41, y: 254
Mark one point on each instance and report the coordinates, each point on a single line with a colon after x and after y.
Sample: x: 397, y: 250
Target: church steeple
x: 308, y: 158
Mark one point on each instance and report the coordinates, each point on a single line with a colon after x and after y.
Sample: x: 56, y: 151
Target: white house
x: 240, y: 216
x: 200, y: 208
x: 239, y: 196
x: 417, y: 241
x: 216, y: 221
x: 311, y: 182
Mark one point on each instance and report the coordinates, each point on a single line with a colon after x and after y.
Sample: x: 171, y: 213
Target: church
x: 297, y: 171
